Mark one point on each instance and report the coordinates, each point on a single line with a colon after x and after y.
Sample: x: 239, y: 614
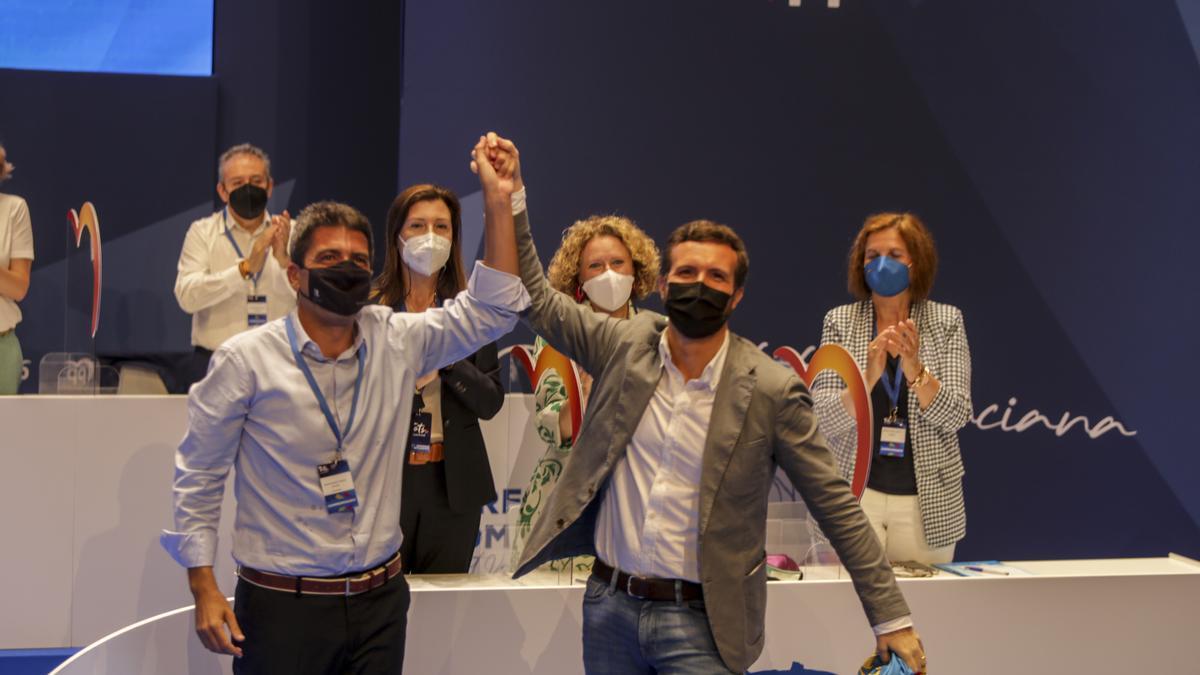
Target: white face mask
x: 426, y: 253
x: 609, y: 291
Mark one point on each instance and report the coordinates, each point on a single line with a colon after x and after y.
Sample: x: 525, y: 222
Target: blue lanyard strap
x: 233, y: 242
x: 338, y: 433
x: 893, y: 388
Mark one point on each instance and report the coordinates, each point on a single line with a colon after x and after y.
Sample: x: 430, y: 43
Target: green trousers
x: 11, y: 363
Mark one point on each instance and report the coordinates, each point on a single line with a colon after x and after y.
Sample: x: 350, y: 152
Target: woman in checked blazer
x: 917, y: 365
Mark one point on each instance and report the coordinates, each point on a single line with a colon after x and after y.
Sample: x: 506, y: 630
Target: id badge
x: 256, y: 310
x: 420, y: 437
x: 891, y: 439
x: 338, y: 486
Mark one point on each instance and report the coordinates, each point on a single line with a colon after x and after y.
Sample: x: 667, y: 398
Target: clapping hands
x: 900, y: 340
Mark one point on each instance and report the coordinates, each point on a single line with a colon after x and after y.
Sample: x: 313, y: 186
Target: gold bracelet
x: 921, y: 379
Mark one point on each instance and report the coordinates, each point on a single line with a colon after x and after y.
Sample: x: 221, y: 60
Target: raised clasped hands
x: 498, y: 164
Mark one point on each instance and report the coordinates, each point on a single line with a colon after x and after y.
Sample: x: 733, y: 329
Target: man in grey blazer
x: 669, y: 477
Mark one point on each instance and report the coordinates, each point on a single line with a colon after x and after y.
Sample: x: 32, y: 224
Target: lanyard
x: 338, y: 433
x: 236, y: 248
x: 893, y: 388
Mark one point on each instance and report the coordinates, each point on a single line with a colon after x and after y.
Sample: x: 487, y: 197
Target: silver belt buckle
x: 629, y: 587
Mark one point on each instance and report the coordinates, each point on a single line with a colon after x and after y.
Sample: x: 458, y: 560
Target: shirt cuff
x: 518, y: 201
x: 190, y: 549
x: 233, y: 277
x: 498, y: 289
x: 899, y: 623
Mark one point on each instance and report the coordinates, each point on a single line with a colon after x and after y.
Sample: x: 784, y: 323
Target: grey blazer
x: 936, y: 454
x: 762, y: 418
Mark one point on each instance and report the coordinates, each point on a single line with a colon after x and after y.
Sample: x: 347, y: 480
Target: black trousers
x: 437, y: 540
x: 321, y: 634
x: 198, y: 367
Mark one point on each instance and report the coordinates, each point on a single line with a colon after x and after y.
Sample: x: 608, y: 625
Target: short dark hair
x: 327, y: 214
x: 707, y: 230
x: 242, y: 149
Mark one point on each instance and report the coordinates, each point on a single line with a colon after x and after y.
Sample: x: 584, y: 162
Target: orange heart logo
x: 837, y: 359
x: 550, y: 359
x: 86, y: 219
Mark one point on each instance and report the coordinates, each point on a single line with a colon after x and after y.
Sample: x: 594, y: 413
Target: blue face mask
x: 887, y: 276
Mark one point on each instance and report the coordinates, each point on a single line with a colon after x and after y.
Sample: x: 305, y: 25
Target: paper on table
x: 983, y: 568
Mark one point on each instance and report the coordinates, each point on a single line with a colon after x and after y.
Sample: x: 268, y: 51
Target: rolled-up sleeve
x: 498, y: 289
x: 487, y: 310
x: 217, y: 408
x: 196, y: 286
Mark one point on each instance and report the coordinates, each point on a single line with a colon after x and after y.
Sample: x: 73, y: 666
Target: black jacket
x: 471, y: 391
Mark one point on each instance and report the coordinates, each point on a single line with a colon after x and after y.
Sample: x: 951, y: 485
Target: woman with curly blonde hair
x: 607, y: 262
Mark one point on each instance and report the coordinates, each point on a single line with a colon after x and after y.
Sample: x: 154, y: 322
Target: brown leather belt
x: 648, y: 589
x: 351, y: 585
x: 437, y: 453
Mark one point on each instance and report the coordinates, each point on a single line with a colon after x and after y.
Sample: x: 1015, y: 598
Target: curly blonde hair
x: 564, y: 268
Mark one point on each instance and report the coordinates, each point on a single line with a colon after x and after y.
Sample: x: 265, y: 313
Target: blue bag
x: 875, y: 666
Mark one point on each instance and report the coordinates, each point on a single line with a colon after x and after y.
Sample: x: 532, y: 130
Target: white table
x: 1093, y: 616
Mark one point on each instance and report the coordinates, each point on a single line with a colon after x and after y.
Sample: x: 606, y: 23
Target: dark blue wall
x: 1048, y: 145
x: 316, y: 85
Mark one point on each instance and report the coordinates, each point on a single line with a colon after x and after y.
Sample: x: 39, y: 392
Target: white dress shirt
x: 649, y: 521
x: 16, y: 242
x: 210, y: 287
x: 255, y: 411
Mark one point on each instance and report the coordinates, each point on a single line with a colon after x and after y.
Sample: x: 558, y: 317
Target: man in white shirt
x: 232, y: 269
x: 669, y: 478
x: 314, y: 410
x: 16, y: 260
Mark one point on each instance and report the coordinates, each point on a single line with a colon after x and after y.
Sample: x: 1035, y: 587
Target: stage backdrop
x: 1049, y: 146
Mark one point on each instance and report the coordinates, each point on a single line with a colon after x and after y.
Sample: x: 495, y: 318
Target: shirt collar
x: 710, y: 377
x: 230, y: 224
x: 313, y: 351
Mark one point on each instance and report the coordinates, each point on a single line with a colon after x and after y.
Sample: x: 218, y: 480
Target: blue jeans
x: 623, y: 635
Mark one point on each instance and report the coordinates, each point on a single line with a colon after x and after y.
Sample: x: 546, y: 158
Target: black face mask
x: 695, y: 309
x: 248, y: 201
x: 342, y: 289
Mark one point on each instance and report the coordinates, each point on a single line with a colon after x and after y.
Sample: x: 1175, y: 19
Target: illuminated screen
x: 156, y: 37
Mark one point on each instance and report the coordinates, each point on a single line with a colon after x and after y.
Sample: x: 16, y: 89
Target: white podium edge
x: 1183, y: 559
x: 121, y: 631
